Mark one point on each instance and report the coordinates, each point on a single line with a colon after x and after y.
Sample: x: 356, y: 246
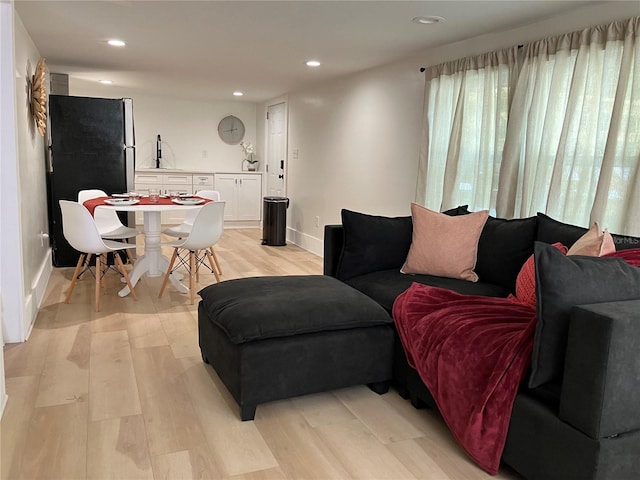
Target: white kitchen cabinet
x: 242, y: 193
x: 202, y: 182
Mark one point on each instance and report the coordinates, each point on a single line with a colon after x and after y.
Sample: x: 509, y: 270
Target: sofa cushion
x: 291, y: 305
x: 384, y: 286
x: 503, y: 248
x: 563, y: 282
x: 443, y: 245
x: 594, y: 243
x: 552, y: 231
x: 625, y: 242
x: 372, y: 243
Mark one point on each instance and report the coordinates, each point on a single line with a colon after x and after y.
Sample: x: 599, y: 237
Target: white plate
x: 188, y: 201
x: 120, y: 195
x: 121, y: 201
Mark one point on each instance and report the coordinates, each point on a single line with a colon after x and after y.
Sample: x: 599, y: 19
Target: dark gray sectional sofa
x: 585, y: 425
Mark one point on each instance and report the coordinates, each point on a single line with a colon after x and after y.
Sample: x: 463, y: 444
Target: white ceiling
x: 208, y: 49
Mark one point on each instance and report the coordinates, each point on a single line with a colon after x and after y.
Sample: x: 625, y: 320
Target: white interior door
x: 276, y: 150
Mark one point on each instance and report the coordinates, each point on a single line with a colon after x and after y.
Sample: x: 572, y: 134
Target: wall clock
x: 231, y: 130
x: 38, y: 96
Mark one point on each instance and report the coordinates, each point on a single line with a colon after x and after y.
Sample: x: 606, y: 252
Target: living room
x: 339, y: 163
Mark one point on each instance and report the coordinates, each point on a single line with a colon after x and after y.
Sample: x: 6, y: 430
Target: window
x: 567, y: 144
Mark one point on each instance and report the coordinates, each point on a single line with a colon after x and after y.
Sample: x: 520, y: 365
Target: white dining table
x: 153, y: 263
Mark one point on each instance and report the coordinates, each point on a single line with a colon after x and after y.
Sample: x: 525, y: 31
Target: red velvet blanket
x: 471, y: 352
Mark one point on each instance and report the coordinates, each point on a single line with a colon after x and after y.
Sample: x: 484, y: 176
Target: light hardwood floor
x: 124, y: 394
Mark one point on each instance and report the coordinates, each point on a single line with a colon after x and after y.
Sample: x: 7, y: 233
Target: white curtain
x: 571, y: 145
x: 573, y: 139
x: 466, y: 105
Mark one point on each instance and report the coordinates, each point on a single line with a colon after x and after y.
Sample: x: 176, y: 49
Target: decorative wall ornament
x: 38, y: 96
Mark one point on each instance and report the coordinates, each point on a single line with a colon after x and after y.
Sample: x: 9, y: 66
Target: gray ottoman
x: 270, y: 338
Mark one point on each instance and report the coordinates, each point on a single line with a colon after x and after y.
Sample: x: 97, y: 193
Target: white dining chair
x: 109, y: 225
x: 81, y: 231
x: 182, y: 230
x: 205, y: 232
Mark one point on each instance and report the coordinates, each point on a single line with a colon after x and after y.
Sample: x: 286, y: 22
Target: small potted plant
x: 249, y: 158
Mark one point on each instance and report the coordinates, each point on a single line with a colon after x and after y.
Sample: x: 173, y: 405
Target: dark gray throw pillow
x: 503, y: 248
x: 553, y: 231
x: 373, y: 243
x: 563, y: 282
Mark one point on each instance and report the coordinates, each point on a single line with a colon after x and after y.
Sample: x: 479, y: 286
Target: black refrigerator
x: 91, y: 145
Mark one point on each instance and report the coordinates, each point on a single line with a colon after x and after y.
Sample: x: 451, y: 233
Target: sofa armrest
x: 333, y: 245
x: 601, y: 384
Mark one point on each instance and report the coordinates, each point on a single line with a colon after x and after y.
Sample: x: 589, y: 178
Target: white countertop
x: 170, y: 170
x: 184, y: 170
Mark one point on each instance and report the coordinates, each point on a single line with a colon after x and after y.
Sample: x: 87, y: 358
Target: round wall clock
x: 231, y: 130
x: 38, y: 96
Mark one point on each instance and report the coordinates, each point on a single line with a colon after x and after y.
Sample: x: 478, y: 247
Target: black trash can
x: 274, y: 221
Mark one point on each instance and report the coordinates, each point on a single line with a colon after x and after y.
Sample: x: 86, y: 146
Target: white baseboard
x: 303, y: 240
x: 5, y: 397
x: 242, y: 224
x: 33, y: 301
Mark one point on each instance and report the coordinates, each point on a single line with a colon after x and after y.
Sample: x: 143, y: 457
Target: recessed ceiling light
x: 106, y: 82
x: 313, y: 63
x: 238, y: 94
x: 429, y: 20
x: 116, y: 43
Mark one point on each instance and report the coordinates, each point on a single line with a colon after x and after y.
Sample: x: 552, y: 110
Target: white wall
x: 7, y: 153
x: 189, y: 128
x: 36, y: 253
x: 25, y: 266
x: 358, y: 138
x: 356, y: 145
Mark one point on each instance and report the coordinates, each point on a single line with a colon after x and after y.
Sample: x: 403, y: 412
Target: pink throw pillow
x: 526, y: 280
x: 443, y: 245
x: 594, y: 243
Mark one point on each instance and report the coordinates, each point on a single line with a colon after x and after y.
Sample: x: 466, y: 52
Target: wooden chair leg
x: 211, y: 259
x: 166, y: 277
x: 126, y: 276
x: 215, y: 259
x: 75, y: 276
x: 98, y: 282
x: 192, y: 275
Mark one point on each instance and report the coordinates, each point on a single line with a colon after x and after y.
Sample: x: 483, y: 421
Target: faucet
x: 158, y: 151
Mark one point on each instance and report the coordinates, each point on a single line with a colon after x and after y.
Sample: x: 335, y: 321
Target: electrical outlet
x: 317, y: 221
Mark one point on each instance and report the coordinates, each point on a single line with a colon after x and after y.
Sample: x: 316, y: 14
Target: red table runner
x: 96, y: 202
